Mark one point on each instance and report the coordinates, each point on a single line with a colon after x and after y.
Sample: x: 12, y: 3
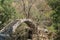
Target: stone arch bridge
x: 11, y: 27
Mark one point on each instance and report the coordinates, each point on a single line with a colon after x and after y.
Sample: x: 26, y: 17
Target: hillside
x: 29, y: 19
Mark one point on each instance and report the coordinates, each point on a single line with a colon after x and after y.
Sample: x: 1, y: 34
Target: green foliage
x: 55, y: 4
x: 6, y: 11
x: 56, y: 7
x: 51, y: 28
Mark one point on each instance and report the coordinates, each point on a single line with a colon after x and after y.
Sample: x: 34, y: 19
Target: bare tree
x: 27, y: 7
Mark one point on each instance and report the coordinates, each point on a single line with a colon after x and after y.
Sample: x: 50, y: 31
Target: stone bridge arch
x: 13, y: 25
x: 29, y: 22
